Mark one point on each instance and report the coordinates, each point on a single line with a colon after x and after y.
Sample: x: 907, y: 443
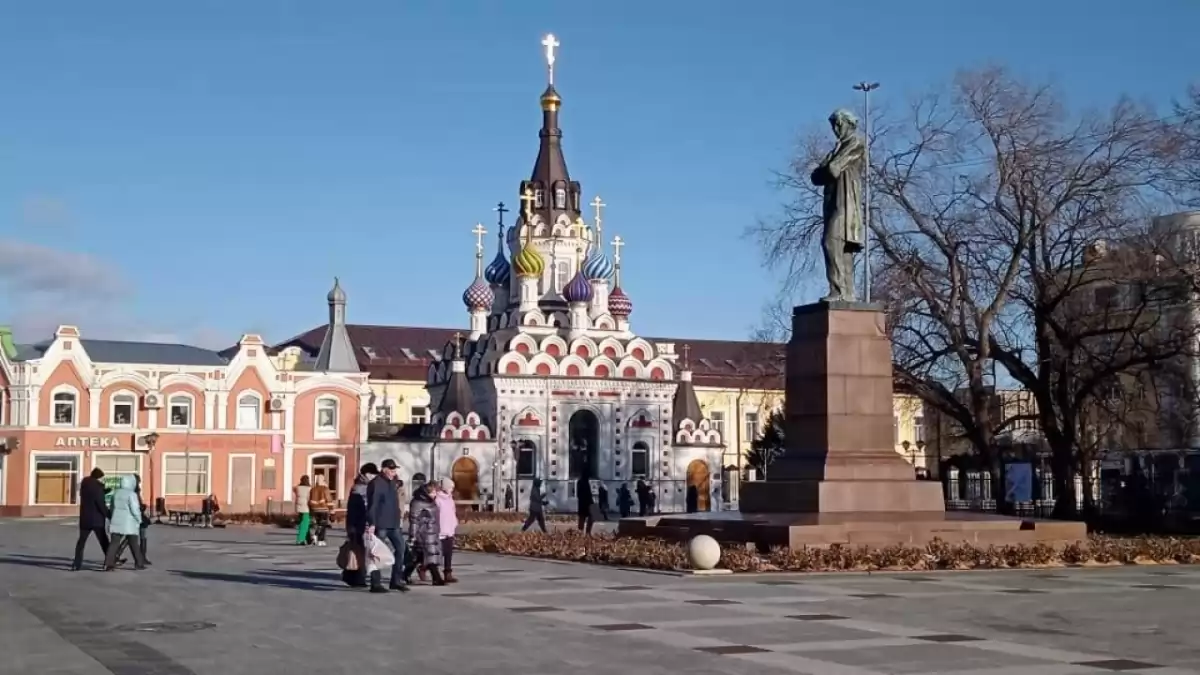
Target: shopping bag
x: 378, y: 554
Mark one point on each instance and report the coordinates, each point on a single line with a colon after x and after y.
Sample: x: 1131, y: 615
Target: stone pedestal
x: 840, y: 455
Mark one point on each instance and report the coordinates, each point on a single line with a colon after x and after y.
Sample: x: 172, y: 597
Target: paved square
x: 246, y: 601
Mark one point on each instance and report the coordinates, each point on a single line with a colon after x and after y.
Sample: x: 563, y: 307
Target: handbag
x: 377, y: 553
x: 348, y: 557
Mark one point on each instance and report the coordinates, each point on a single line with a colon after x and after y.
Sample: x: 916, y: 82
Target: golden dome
x: 550, y: 99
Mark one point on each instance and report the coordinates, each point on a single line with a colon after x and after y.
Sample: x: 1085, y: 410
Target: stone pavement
x: 247, y: 601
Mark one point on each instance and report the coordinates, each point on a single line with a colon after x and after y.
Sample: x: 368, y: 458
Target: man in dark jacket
x: 383, y: 521
x: 93, y: 515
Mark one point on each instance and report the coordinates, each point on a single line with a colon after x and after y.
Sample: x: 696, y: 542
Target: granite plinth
x: 914, y: 528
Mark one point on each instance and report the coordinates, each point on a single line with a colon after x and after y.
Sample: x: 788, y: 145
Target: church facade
x: 549, y: 380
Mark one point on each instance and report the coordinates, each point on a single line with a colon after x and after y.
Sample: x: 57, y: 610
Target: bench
x: 189, y: 517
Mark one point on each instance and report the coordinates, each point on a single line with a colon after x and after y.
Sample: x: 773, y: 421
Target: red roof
x: 404, y: 353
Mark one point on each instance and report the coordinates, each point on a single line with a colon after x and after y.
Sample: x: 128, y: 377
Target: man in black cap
x: 383, y: 521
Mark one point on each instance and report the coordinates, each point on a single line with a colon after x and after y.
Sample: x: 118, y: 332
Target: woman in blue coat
x: 126, y: 524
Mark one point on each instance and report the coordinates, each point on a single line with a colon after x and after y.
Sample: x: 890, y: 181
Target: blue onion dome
x: 619, y: 304
x: 597, y: 267
x: 478, y: 295
x: 578, y: 289
x: 498, y: 270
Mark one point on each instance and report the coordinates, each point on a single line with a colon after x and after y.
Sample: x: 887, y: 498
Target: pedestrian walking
x: 383, y: 522
x: 447, y: 525
x: 93, y: 516
x: 126, y: 524
x: 624, y: 500
x: 352, y: 558
x: 145, y: 525
x: 586, y: 503
x: 300, y: 495
x: 319, y: 504
x: 424, y: 528
x: 537, y: 507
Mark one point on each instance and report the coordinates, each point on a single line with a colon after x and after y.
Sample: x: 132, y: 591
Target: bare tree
x: 988, y: 194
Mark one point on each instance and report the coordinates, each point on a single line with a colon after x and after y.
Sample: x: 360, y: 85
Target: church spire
x: 337, y: 352
x: 554, y: 192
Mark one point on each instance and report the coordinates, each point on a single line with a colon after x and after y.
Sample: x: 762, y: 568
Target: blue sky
x: 194, y: 170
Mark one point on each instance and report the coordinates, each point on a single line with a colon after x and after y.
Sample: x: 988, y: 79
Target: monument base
x: 841, y: 496
x: 797, y: 530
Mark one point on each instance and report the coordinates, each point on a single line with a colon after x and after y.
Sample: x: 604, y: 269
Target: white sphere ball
x: 704, y: 552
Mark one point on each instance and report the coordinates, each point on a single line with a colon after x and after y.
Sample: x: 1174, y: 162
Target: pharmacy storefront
x: 43, y: 477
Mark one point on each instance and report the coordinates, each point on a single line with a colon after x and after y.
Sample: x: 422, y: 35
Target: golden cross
x: 479, y: 232
x: 527, y: 202
x: 550, y: 43
x: 597, y: 204
x: 617, y: 243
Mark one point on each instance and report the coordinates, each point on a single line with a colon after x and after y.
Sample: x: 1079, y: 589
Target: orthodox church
x: 549, y: 379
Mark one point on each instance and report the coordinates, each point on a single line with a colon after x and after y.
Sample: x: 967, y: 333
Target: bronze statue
x: 841, y: 177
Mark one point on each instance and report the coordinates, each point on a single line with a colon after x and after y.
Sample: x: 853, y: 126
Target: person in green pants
x: 301, y: 493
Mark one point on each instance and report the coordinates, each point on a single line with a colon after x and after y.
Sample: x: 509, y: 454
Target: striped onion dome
x: 578, y: 289
x: 498, y: 270
x: 597, y: 267
x: 528, y: 262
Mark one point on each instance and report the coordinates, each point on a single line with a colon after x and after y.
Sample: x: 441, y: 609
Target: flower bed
x: 662, y: 555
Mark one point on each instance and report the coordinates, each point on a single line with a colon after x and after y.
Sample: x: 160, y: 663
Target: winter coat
x: 537, y: 500
x: 302, y: 493
x: 126, y: 508
x: 383, y: 508
x: 93, y: 511
x: 424, y: 527
x: 318, y: 499
x: 447, y: 515
x: 583, y: 496
x: 356, y: 508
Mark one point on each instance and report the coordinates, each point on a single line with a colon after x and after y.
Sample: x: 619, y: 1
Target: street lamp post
x: 866, y: 88
x: 151, y: 440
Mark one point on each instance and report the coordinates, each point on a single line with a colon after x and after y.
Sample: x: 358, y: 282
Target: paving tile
x: 815, y: 617
x: 948, y: 637
x: 730, y: 650
x: 617, y: 627
x: 1118, y: 665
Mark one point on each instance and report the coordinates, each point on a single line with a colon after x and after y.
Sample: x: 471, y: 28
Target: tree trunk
x: 1062, y: 467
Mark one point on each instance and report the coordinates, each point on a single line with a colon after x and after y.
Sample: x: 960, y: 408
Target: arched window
x: 639, y: 460
x: 526, y: 455
x: 327, y: 416
x: 560, y: 197
x: 249, y: 411
x: 65, y: 404
x: 562, y: 274
x: 121, y: 409
x: 179, y: 411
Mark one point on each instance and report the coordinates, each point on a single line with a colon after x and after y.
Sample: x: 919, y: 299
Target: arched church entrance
x: 584, y: 444
x: 465, y: 474
x: 698, y: 478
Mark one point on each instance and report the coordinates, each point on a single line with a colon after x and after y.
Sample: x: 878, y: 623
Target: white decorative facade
x: 549, y: 380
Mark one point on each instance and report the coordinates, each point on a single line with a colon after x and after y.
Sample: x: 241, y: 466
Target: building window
x: 717, y: 417
x: 56, y: 479
x: 639, y: 460
x: 526, y: 454
x: 418, y: 414
x: 185, y: 475
x: 64, y: 408
x: 919, y: 427
x: 249, y: 412
x: 539, y: 200
x: 383, y: 414
x: 560, y: 198
x: 327, y: 416
x: 562, y: 273
x: 122, y: 410
x: 750, y: 426
x: 179, y: 411
x: 116, y: 466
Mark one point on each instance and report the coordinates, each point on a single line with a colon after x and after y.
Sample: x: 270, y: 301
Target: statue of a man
x: 841, y: 177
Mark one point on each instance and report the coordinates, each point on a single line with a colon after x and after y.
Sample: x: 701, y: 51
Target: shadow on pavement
x: 258, y: 579
x: 300, y: 574
x: 36, y: 561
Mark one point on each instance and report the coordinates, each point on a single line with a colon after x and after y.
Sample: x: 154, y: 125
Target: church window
x: 602, y: 371
x: 543, y: 369
x: 553, y: 350
x: 657, y: 374
x: 610, y: 352
x: 640, y: 460
x: 526, y: 451
x: 572, y: 370
x: 560, y: 198
x: 539, y: 198
x: 582, y: 351
x: 638, y: 354
x: 513, y: 368
x: 562, y: 272
x: 629, y: 372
